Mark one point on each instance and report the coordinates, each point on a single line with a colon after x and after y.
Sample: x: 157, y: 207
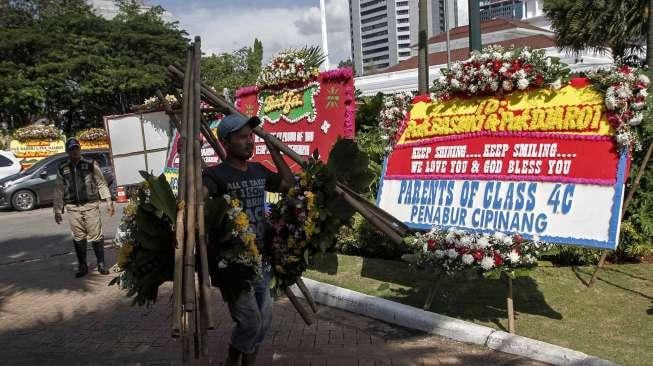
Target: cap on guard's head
x: 72, y: 143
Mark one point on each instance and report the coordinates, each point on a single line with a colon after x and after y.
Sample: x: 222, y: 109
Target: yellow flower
x: 123, y: 255
x: 241, y: 222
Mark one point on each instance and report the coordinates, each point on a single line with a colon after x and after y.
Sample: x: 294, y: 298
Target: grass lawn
x: 611, y: 320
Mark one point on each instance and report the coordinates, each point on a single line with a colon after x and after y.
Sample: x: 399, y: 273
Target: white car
x: 9, y: 165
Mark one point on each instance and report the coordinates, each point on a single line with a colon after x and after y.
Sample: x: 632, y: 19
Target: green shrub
x: 362, y: 239
x: 571, y: 255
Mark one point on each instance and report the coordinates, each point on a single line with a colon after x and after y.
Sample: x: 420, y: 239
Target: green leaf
x: 161, y: 195
x: 493, y: 274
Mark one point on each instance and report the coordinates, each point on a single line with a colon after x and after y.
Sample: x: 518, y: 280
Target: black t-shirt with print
x: 249, y: 186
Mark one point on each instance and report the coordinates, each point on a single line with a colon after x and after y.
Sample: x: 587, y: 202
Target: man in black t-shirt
x: 247, y: 181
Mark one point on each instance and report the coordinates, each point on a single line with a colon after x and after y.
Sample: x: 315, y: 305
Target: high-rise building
x: 383, y: 31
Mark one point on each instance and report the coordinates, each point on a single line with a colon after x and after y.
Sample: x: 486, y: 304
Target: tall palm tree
x: 617, y: 26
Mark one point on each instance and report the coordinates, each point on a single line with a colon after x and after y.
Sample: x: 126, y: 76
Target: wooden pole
x: 629, y: 197
x: 300, y: 309
x: 177, y: 284
x: 511, y: 310
x: 191, y: 216
x: 307, y: 294
x: 432, y: 291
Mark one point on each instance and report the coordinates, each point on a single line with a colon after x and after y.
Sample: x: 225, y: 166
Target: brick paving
x: 49, y: 317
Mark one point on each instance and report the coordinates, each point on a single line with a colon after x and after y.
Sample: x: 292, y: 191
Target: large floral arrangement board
x: 31, y: 151
x: 209, y: 156
x: 539, y: 162
x: 306, y: 116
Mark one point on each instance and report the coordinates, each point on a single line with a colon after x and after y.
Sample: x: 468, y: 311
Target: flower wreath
x: 496, y: 71
x: 455, y: 251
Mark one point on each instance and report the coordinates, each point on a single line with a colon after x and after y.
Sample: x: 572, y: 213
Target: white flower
x: 451, y: 237
x: 611, y: 101
x: 535, y: 239
x: 503, y: 69
x: 425, y: 248
x: 451, y: 253
x: 499, y: 235
x: 506, y: 85
x: 547, y: 62
x: 522, y: 84
x: 507, y: 240
x: 473, y: 88
x: 528, y: 259
x: 637, y: 119
x: 624, y: 92
x: 467, y: 259
x: 455, y: 84
x: 466, y: 241
x: 494, y: 86
x: 556, y: 84
x: 487, y: 263
x: 513, y: 257
x: 643, y: 93
x: 644, y: 79
x: 483, y: 242
x: 525, y: 53
x: 438, y: 253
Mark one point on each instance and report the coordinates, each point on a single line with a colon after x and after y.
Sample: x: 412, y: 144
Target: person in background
x: 79, y: 188
x: 248, y: 181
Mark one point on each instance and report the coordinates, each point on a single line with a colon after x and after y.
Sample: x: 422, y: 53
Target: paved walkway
x: 49, y: 317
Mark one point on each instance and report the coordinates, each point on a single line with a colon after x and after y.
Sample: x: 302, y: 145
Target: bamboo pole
x: 307, y: 294
x: 177, y: 321
x: 300, y: 309
x: 629, y: 197
x: 205, y: 284
x: 189, y: 257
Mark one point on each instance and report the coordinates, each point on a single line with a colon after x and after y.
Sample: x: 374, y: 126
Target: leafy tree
x: 61, y: 61
x: 347, y: 63
x: 233, y: 70
x: 617, y: 25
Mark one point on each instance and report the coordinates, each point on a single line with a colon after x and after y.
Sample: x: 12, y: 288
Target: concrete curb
x: 456, y: 329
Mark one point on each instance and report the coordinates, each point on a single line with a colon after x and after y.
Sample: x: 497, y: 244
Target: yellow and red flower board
x: 31, y: 151
x: 307, y: 117
x: 539, y: 163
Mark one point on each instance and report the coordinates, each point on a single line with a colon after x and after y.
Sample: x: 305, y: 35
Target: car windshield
x: 36, y: 166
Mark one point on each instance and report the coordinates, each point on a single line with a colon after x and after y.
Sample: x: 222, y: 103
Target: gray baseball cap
x: 235, y: 122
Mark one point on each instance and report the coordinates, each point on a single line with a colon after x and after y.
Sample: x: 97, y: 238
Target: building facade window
x: 373, y: 19
x: 381, y: 8
x: 375, y: 50
x: 375, y: 34
x: 403, y: 29
x: 374, y: 43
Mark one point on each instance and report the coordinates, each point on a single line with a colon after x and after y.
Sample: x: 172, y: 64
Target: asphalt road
x: 33, y: 235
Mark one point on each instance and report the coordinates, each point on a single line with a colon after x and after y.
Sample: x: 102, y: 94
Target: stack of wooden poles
x: 193, y: 303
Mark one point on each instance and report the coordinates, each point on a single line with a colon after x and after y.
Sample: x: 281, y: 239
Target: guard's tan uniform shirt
x: 84, y: 218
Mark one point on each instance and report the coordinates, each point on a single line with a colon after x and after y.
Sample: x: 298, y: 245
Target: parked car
x: 9, y: 165
x: 35, y: 186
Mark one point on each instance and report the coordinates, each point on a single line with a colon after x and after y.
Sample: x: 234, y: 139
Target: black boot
x: 249, y: 359
x: 233, y: 357
x: 98, y: 248
x: 80, y: 250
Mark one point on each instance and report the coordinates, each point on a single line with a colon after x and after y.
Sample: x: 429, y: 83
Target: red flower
x: 478, y: 255
x: 431, y: 244
x: 539, y: 80
x: 462, y: 250
x: 498, y: 260
x: 528, y: 67
x: 517, y: 239
x: 579, y: 82
x: 625, y: 69
x: 496, y: 66
x: 613, y: 119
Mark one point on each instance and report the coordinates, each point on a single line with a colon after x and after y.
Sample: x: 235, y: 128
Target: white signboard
x: 138, y: 141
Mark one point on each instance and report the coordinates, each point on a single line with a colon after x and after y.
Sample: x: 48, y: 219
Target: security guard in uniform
x: 80, y: 186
